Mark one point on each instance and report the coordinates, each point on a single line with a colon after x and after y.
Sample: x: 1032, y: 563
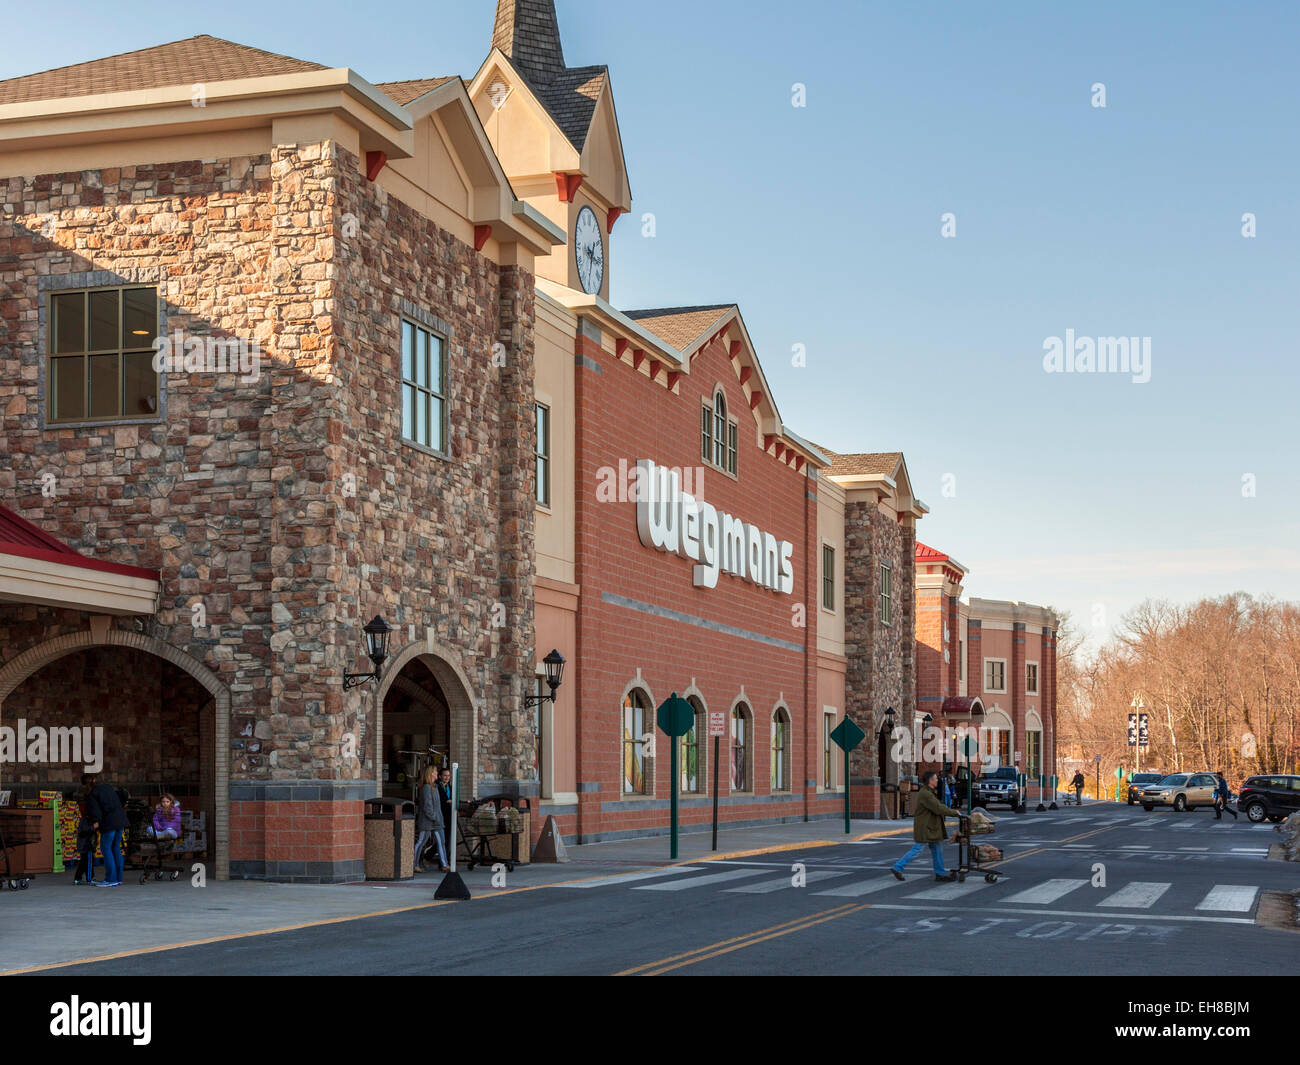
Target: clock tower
x: 555, y: 130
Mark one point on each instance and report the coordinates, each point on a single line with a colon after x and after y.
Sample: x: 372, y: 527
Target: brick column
x: 1016, y: 685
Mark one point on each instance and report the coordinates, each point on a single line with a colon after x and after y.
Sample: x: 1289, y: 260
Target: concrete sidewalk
x: 54, y: 922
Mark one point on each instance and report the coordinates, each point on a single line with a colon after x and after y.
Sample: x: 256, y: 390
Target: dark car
x: 1001, y: 785
x: 1271, y: 797
x: 1138, y: 781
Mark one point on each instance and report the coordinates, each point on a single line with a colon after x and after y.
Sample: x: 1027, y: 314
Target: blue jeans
x: 423, y: 838
x: 111, y: 843
x: 936, y: 856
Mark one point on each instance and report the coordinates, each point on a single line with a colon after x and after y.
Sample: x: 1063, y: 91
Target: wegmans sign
x: 672, y: 520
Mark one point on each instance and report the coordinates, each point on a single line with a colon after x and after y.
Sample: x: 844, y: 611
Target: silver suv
x: 1182, y: 791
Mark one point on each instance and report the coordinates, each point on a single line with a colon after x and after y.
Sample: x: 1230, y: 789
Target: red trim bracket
x: 567, y: 186
x: 613, y: 216
x: 374, y: 163
x: 481, y: 234
x: 755, y: 400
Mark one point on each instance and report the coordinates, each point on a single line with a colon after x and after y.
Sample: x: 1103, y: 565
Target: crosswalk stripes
x: 862, y: 887
x: 1217, y: 903
x: 954, y: 889
x: 768, y: 886
x: 1236, y: 898
x: 700, y: 881
x: 1050, y: 891
x: 627, y: 878
x: 1139, y: 895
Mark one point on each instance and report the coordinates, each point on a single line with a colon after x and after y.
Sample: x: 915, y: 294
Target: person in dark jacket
x: 428, y: 820
x: 928, y: 829
x: 1077, y: 783
x: 104, y: 807
x: 1221, y: 797
x: 86, y: 835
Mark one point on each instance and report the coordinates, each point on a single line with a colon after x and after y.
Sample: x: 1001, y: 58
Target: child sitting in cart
x: 166, y: 820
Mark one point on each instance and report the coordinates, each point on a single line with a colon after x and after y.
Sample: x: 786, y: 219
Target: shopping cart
x: 18, y: 828
x: 969, y: 853
x: 153, y: 857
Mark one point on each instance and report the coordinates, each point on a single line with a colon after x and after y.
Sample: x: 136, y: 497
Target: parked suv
x: 1182, y: 791
x: 1271, y: 797
x: 1002, y: 785
x: 1138, y: 781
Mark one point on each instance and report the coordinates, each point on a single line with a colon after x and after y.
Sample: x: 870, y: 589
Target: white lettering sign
x: 669, y: 519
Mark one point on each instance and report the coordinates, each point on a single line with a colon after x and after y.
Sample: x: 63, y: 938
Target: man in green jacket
x: 928, y: 829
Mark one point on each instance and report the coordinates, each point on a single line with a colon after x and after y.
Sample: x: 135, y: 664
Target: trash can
x: 390, y: 839
x: 890, y: 803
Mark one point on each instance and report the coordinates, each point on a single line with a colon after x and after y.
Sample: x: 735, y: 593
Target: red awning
x: 21, y: 538
x: 36, y: 567
x: 963, y: 706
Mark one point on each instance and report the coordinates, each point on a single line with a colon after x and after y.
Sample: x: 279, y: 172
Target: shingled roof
x: 528, y: 33
x: 873, y: 462
x: 403, y: 92
x: 187, y: 62
x: 679, y: 326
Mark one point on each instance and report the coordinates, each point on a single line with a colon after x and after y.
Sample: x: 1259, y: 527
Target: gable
x: 602, y: 155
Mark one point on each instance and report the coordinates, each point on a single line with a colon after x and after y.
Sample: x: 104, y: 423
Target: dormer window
x: 718, y: 435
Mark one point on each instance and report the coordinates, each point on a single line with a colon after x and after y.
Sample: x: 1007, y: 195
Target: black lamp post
x: 554, y: 663
x: 377, y: 633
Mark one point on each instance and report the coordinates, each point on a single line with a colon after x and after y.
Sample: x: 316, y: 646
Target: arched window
x: 718, y: 435
x: 720, y: 429
x: 636, y: 726
x: 692, y: 766
x: 780, y: 750
x: 740, y: 748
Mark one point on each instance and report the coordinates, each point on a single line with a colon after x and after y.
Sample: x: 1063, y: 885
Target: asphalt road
x: 1102, y: 890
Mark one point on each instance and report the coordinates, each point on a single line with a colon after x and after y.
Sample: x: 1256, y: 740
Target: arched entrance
x: 425, y: 701
x: 180, y: 742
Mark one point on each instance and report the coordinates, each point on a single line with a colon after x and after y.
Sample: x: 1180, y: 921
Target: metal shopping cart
x: 973, y: 857
x: 18, y: 828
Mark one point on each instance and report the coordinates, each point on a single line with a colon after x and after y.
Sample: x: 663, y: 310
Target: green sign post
x: 846, y: 736
x: 1119, y: 783
x: 676, y: 717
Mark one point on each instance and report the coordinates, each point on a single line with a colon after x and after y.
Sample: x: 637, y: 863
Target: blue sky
x: 823, y: 223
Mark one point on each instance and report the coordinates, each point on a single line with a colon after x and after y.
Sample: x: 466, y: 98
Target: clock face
x: 589, y: 250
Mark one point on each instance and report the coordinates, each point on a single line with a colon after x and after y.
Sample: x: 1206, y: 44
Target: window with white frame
x: 781, y: 750
x: 828, y: 577
x: 741, y: 748
x: 637, y: 760
x: 886, y: 593
x: 692, y: 779
x: 1031, y: 678
x: 995, y: 674
x: 828, y: 750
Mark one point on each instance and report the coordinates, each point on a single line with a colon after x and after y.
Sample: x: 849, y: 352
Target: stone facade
x: 881, y: 658
x: 286, y: 507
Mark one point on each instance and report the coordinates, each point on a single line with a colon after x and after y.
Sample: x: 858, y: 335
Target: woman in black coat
x: 105, y: 811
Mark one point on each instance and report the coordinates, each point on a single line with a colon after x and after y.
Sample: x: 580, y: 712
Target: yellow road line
x: 1047, y: 847
x: 726, y: 946
x: 733, y: 939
